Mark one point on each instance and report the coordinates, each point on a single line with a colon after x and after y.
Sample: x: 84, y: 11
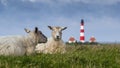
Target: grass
x: 77, y: 56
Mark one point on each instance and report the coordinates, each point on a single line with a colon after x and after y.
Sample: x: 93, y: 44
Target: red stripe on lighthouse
x: 81, y: 30
x: 82, y: 37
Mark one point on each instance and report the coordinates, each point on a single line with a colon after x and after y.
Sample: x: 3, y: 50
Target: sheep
x: 21, y: 45
x: 54, y: 44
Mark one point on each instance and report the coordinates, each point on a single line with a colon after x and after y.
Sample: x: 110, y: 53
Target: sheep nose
x: 58, y: 37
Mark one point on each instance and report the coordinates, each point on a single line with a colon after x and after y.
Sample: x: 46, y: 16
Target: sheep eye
x: 60, y: 32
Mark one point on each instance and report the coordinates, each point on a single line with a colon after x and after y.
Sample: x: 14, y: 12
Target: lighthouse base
x: 82, y: 41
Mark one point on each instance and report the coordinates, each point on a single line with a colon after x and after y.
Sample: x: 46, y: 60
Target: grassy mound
x: 77, y: 56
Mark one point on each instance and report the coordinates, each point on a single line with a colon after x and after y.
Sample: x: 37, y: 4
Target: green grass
x: 77, y: 56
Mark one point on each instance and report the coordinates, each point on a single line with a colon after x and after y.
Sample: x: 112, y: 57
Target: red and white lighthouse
x: 82, y: 37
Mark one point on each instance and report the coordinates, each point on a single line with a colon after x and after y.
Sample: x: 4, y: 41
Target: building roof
x: 92, y: 39
x: 71, y: 39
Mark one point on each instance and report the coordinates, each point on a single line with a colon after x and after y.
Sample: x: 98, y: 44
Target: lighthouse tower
x: 82, y: 37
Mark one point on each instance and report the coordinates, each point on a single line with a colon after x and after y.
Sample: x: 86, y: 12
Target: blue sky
x: 101, y: 17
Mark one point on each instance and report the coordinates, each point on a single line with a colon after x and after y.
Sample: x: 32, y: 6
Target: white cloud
x: 30, y: 0
x: 41, y: 1
x: 4, y: 2
x: 102, y: 2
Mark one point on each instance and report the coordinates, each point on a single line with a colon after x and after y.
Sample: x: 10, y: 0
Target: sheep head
x: 37, y: 35
x: 57, y: 32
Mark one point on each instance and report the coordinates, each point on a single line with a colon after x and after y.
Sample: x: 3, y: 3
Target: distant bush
x: 80, y: 43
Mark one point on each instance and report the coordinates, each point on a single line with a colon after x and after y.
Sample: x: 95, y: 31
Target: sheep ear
x: 63, y: 28
x: 27, y: 30
x: 50, y: 27
x: 36, y: 30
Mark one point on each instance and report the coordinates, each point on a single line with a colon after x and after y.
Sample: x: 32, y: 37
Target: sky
x: 101, y: 17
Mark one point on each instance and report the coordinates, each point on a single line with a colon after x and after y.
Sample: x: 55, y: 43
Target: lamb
x: 21, y: 45
x: 54, y: 44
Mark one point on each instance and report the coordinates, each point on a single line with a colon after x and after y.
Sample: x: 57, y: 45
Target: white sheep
x: 54, y: 44
x: 21, y: 45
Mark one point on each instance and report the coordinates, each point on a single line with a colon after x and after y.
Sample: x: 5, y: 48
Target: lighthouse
x: 82, y: 37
